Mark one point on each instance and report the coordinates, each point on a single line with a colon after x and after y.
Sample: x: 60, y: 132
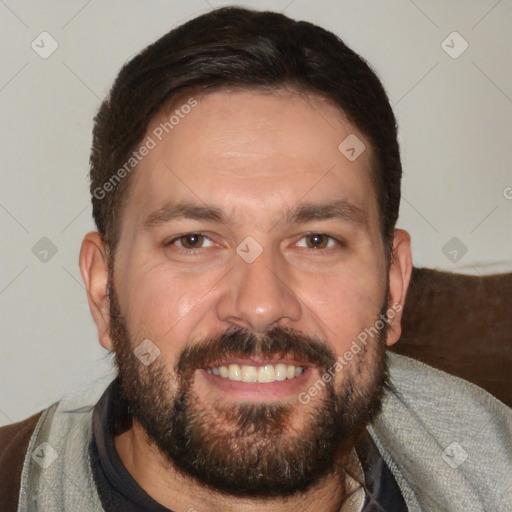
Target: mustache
x: 238, y: 342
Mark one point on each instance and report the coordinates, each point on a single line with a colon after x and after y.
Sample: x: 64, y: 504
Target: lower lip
x: 258, y: 391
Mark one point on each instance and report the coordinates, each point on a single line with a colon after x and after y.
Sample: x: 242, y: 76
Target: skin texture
x: 255, y: 156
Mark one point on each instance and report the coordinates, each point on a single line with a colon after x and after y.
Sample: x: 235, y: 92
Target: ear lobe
x: 94, y: 270
x: 399, y: 278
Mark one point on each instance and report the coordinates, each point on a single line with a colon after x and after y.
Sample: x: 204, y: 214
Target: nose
x: 257, y: 295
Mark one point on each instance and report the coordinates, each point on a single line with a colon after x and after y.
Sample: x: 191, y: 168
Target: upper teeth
x: 264, y: 374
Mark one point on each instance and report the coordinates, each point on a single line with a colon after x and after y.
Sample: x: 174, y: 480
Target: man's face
x: 250, y: 250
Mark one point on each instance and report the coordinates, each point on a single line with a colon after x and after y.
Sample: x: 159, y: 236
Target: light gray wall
x: 455, y: 131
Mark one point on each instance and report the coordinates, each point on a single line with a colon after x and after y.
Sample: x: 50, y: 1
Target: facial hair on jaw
x: 249, y: 449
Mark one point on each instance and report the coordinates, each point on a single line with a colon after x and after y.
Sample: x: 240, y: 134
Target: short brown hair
x: 235, y: 47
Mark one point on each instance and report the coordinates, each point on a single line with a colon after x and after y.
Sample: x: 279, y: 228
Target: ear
x: 94, y: 270
x: 399, y: 278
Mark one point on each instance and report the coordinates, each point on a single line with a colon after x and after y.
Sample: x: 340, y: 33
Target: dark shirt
x: 119, y: 492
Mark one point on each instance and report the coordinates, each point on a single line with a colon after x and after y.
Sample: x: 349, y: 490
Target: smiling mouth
x: 263, y: 374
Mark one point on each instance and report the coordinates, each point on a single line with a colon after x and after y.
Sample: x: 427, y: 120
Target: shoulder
x: 423, y: 386
x: 447, y: 438
x: 445, y: 405
x: 14, y: 440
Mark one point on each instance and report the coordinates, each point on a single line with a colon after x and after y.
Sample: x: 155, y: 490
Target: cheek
x: 346, y: 304
x: 163, y: 304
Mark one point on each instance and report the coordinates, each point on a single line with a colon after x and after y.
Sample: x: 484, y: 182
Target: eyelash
x: 194, y: 251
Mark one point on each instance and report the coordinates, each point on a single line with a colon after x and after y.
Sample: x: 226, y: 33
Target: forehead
x: 250, y: 151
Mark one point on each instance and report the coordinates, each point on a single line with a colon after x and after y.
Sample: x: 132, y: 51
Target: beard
x: 251, y: 449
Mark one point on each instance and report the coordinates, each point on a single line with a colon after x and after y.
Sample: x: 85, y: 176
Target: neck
x: 180, y: 493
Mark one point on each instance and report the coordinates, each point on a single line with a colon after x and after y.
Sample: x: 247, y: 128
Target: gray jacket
x: 447, y: 442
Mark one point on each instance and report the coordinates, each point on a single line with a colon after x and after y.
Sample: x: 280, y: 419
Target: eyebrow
x: 171, y: 212
x: 335, y: 210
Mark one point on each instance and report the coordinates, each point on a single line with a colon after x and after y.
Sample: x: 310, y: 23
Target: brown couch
x: 463, y: 325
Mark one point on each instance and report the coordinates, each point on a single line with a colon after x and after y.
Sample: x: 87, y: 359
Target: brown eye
x: 317, y: 240
x: 191, y: 240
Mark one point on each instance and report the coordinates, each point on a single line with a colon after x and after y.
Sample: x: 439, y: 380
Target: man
x: 247, y: 275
